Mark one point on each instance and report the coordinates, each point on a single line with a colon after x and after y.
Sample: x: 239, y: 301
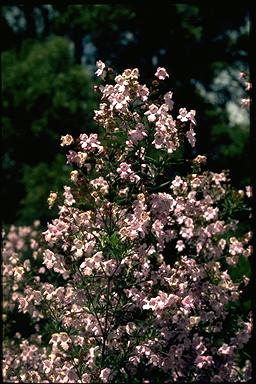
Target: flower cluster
x: 138, y: 267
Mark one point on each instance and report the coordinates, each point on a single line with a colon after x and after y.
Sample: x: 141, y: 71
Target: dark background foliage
x: 48, y: 65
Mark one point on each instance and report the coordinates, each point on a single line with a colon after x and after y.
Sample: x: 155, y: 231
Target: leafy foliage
x: 44, y: 95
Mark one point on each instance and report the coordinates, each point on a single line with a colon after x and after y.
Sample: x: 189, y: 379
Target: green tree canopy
x: 45, y: 95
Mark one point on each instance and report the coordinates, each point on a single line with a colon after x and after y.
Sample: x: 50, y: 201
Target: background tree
x: 45, y: 94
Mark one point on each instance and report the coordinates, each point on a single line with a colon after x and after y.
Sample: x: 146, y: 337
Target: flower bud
x: 52, y: 198
x: 66, y: 140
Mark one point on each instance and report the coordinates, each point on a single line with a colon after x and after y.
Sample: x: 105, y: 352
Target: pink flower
x: 235, y: 247
x: 180, y: 245
x: 90, y: 143
x: 126, y: 173
x: 157, y: 228
x: 69, y: 199
x: 86, y: 378
x: 49, y: 259
x: 187, y: 233
x: 161, y: 73
x: 143, y: 92
x: 104, y: 374
x: 191, y: 137
x: 191, y: 116
x: 222, y: 243
x: 151, y: 113
x: 101, y: 71
x: 211, y: 213
x: 137, y: 134
x: 168, y: 100
x: 134, y: 360
x: 100, y: 184
x: 203, y: 361
x: 179, y: 183
x: 218, y: 177
x: 188, y: 302
x: 248, y: 191
x: 183, y: 114
x: 225, y: 349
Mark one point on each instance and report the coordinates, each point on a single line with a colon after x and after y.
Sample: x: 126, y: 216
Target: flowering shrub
x: 134, y: 280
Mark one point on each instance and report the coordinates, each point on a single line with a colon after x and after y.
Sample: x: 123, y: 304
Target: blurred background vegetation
x: 48, y: 65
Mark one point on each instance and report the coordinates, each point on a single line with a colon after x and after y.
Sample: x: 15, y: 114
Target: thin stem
x: 91, y: 302
x: 105, y: 335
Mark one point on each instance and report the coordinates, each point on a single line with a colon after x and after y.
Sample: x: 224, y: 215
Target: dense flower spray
x: 133, y: 277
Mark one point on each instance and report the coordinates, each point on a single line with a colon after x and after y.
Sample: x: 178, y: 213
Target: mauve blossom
x: 152, y: 113
x: 66, y: 140
x: 161, y: 73
x: 180, y: 245
x: 249, y: 191
x: 101, y: 71
x: 225, y: 349
x: 203, y: 361
x: 168, y: 100
x: 137, y: 134
x: 191, y: 137
x: 188, y: 302
x: 104, y: 374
